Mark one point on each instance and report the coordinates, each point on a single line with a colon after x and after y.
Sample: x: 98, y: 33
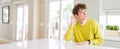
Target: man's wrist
x: 89, y: 41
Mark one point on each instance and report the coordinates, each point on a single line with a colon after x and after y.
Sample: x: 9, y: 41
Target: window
x: 66, y: 13
x: 54, y: 14
x: 59, y: 17
x: 112, y: 17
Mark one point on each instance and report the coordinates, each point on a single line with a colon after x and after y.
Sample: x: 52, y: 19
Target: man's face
x: 81, y: 15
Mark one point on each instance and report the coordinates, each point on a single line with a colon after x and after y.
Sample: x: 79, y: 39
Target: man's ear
x: 75, y: 15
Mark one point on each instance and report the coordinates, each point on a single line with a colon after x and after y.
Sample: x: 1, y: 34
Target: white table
x: 48, y: 44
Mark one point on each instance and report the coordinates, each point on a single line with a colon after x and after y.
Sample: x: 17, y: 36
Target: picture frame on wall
x: 5, y: 14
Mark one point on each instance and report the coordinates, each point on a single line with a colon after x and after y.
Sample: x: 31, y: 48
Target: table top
x: 48, y: 44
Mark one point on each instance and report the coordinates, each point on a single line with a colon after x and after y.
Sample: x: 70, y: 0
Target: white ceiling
x: 3, y: 1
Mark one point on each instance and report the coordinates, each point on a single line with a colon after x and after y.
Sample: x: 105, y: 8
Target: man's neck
x: 83, y: 22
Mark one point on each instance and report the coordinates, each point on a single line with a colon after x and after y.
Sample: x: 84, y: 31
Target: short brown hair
x: 77, y: 7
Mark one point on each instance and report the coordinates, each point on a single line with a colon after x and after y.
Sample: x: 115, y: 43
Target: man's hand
x: 73, y: 20
x: 83, y: 43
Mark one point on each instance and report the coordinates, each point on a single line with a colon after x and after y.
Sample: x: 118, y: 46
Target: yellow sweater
x: 89, y: 31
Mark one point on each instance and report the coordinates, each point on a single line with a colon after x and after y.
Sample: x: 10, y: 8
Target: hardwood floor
x: 3, y: 42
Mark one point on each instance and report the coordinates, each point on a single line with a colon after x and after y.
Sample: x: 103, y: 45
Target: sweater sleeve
x: 69, y: 34
x: 98, y: 38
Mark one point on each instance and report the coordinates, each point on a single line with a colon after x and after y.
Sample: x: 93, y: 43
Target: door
x: 22, y: 22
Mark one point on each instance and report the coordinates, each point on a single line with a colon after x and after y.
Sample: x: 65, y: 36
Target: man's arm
x: 69, y: 34
x: 97, y: 35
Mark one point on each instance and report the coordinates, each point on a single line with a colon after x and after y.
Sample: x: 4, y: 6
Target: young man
x: 83, y: 30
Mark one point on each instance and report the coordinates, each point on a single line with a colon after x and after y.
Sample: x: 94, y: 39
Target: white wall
x: 5, y: 29
x: 93, y: 9
x: 30, y: 19
x: 111, y: 4
x: 42, y: 18
x: 37, y: 19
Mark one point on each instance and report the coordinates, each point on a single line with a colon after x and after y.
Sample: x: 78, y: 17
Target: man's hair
x: 78, y: 7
